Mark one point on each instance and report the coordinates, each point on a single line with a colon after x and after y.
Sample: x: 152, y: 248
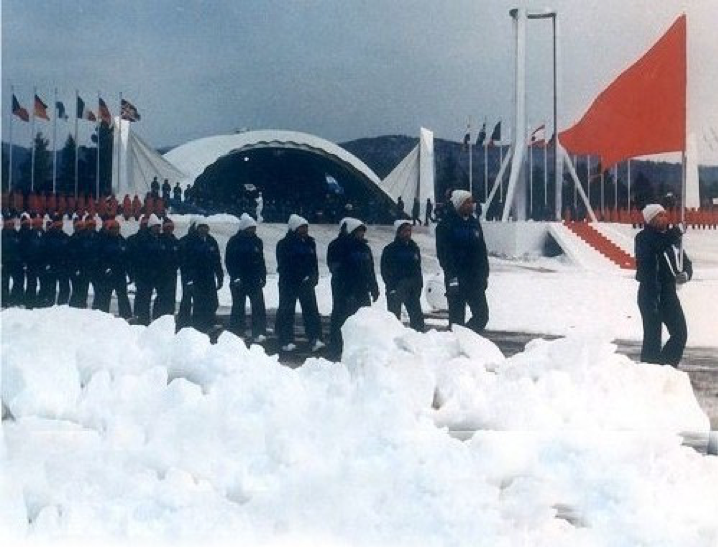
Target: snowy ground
x: 136, y: 435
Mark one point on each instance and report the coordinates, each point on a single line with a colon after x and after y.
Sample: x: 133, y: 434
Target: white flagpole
x: 486, y: 166
x: 77, y: 148
x: 97, y: 161
x: 615, y: 187
x: 119, y: 146
x: 531, y: 174
x: 684, y: 165
x: 628, y: 176
x: 471, y: 162
x: 588, y: 178
x: 12, y: 115
x: 575, y: 190
x: 545, y: 172
x: 32, y: 141
x: 54, y: 147
x: 501, y: 162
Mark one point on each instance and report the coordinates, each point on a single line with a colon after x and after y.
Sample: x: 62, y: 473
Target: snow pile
x: 134, y: 434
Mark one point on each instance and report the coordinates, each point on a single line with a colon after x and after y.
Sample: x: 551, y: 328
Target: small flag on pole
x: 495, y: 135
x: 129, y: 112
x: 19, y: 111
x: 467, y: 138
x: 482, y: 135
x: 60, y: 110
x: 104, y: 112
x: 84, y: 113
x: 538, y: 137
x: 41, y: 109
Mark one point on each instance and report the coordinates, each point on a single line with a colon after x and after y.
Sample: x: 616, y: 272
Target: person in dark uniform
x: 55, y: 277
x: 168, y: 260
x: 166, y: 191
x: 416, y: 212
x: 204, y: 277
x: 399, y: 208
x: 334, y: 263
x: 112, y: 270
x: 177, y: 192
x: 31, y: 247
x: 659, y: 276
x: 461, y: 250
x: 356, y: 284
x: 145, y: 252
x: 184, y: 313
x: 429, y: 210
x: 298, y: 270
x: 401, y: 272
x: 155, y: 188
x: 247, y: 272
x: 12, y: 272
x: 83, y: 251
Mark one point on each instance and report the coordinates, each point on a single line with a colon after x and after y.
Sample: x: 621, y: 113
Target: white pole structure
x: 558, y: 165
x: 545, y: 175
x: 32, y: 142
x: 588, y: 177
x: 577, y: 182
x: 97, y: 166
x: 497, y: 184
x: 119, y: 145
x: 615, y: 187
x: 486, y: 168
x: 531, y: 174
x: 628, y: 176
x: 575, y: 190
x: 501, y: 162
x: 54, y: 147
x: 471, y: 162
x: 77, y: 149
x: 684, y: 167
x: 12, y: 115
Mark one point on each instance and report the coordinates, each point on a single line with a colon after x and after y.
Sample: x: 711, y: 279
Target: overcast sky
x: 339, y: 69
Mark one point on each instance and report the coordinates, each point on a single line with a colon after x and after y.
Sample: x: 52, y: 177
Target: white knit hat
x: 353, y: 223
x: 154, y: 220
x: 295, y: 221
x: 651, y: 210
x: 399, y: 223
x: 246, y: 221
x: 458, y: 197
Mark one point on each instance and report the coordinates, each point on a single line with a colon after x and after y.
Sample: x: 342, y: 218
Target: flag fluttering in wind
x: 84, y: 113
x: 538, y: 137
x: 129, y: 111
x: 643, y: 111
x: 467, y: 138
x: 104, y: 112
x: 60, y: 110
x: 19, y: 111
x: 40, y: 109
x: 495, y: 135
x: 482, y: 135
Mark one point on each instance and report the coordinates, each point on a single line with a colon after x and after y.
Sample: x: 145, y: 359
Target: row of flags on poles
x: 128, y: 111
x: 537, y: 138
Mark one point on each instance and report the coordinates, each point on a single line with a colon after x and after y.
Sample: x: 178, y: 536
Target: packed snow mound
x: 135, y: 434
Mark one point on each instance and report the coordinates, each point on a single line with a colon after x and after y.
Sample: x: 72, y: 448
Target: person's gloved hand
x: 681, y: 278
x: 108, y: 272
x: 452, y: 288
x: 47, y: 268
x: 236, y: 283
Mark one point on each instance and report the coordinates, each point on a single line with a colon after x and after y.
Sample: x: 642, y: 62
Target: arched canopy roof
x: 195, y: 156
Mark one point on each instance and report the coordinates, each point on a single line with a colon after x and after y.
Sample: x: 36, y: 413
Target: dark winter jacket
x: 356, y: 275
x: 169, y: 258
x: 297, y: 261
x: 244, y: 259
x: 203, y: 263
x: 656, y: 261
x: 334, y: 252
x: 133, y: 245
x: 31, y: 248
x: 146, y: 253
x: 461, y: 249
x: 114, y: 258
x: 11, y: 248
x: 401, y: 264
x: 55, y: 250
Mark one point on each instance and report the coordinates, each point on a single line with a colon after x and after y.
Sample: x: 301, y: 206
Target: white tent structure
x: 414, y: 176
x: 135, y: 163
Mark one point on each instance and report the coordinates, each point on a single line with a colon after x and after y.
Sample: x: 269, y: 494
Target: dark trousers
x: 103, y: 295
x: 184, y: 313
x: 344, y: 306
x: 284, y: 326
x: 667, y: 311
x: 205, y: 304
x: 80, y: 283
x: 475, y: 298
x: 410, y: 298
x: 143, y: 300
x: 166, y: 296
x: 12, y: 274
x: 237, y: 317
x: 30, y: 297
x: 54, y: 287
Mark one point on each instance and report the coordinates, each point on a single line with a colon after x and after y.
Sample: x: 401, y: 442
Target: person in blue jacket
x: 203, y: 277
x: 244, y: 259
x: 112, y: 270
x: 298, y: 271
x: 54, y: 278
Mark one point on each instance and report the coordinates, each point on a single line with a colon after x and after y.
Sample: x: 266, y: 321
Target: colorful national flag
x: 104, y: 112
x: 41, y: 109
x: 482, y: 135
x: 495, y: 135
x: 643, y: 111
x: 60, y: 110
x: 538, y: 137
x: 129, y: 111
x: 84, y: 113
x: 19, y: 111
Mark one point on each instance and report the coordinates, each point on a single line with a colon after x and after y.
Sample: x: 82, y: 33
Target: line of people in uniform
x: 67, y: 265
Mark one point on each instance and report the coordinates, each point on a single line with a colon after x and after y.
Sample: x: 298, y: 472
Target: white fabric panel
x: 693, y: 199
x: 426, y: 169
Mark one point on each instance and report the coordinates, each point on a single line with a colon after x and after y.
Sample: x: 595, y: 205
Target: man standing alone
x: 658, y: 275
x: 461, y: 250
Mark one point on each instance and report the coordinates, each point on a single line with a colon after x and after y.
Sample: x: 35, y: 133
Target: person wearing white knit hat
x: 660, y: 268
x: 244, y: 259
x: 401, y: 272
x: 298, y: 270
x: 462, y: 254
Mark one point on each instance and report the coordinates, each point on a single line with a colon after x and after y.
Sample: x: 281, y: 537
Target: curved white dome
x: 194, y: 157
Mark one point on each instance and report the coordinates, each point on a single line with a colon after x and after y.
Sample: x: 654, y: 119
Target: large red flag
x: 643, y: 111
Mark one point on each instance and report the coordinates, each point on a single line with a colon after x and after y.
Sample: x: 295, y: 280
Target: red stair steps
x: 602, y: 244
